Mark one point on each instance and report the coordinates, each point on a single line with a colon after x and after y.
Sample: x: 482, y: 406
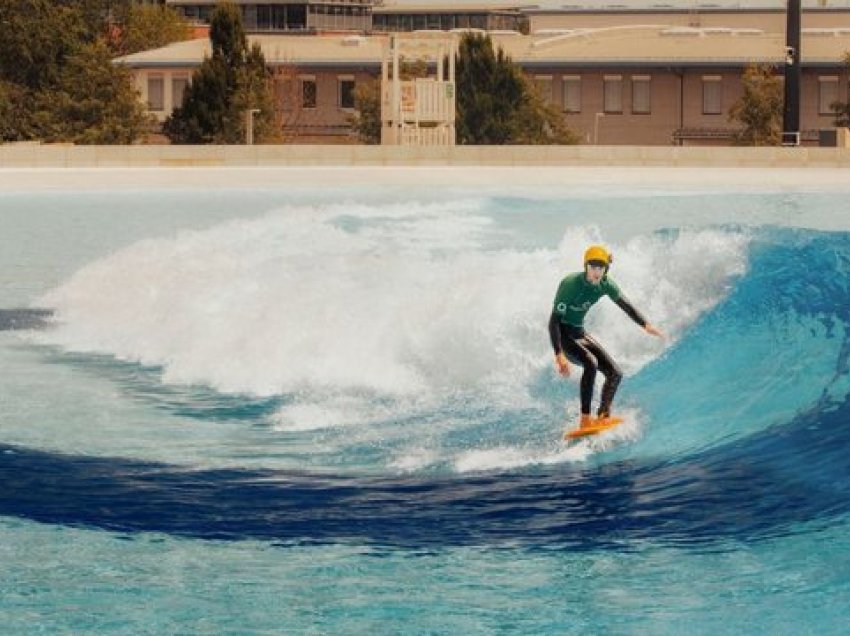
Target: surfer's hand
x: 652, y: 331
x: 563, y: 365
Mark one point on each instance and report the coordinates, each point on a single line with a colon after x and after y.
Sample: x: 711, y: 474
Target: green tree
x: 36, y: 37
x: 98, y: 16
x: 62, y: 85
x: 225, y: 87
x: 95, y: 101
x: 16, y: 120
x: 759, y: 110
x: 366, y: 121
x: 148, y: 26
x: 538, y: 121
x: 497, y: 104
x: 489, y: 92
x: 254, y: 91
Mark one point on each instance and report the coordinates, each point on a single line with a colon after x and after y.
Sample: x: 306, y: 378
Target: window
x: 346, y: 92
x: 543, y: 83
x: 613, y: 93
x: 572, y: 94
x: 827, y: 93
x: 178, y: 89
x: 156, y: 93
x: 264, y: 18
x: 296, y: 16
x: 712, y: 95
x: 641, y: 95
x: 308, y: 92
x: 279, y: 16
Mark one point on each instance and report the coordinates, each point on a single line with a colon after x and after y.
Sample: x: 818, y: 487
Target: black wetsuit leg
x: 580, y: 347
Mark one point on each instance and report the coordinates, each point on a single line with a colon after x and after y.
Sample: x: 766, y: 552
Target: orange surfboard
x: 597, y: 427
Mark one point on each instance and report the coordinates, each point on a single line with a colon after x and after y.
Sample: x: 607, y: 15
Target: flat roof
x: 699, y: 6
x: 637, y: 45
x: 675, y: 10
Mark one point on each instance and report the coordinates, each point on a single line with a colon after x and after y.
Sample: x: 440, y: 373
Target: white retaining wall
x: 69, y: 156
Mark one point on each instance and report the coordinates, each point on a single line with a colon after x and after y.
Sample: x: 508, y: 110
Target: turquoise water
x: 291, y: 412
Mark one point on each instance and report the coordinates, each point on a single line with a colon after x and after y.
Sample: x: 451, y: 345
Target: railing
x: 437, y: 136
x: 697, y: 133
x: 434, y: 100
x: 424, y: 100
x: 682, y: 134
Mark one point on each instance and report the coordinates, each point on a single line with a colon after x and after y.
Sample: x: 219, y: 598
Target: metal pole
x: 249, y: 125
x: 791, y: 115
x: 396, y: 105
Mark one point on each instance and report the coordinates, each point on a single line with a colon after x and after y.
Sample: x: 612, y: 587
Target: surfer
x: 576, y: 294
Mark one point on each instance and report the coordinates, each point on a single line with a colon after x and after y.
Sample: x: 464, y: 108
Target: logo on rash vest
x: 583, y: 307
x: 561, y: 308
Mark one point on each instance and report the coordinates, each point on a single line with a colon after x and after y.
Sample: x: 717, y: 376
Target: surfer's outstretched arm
x: 631, y: 311
x: 624, y: 304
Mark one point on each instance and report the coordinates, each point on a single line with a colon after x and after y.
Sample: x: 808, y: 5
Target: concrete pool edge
x: 30, y: 155
x: 525, y: 178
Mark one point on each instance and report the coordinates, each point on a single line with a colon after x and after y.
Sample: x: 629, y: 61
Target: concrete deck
x: 29, y: 167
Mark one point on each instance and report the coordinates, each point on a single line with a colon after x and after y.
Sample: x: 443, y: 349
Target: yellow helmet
x: 597, y: 253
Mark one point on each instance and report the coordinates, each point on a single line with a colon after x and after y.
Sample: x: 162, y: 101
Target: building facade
x: 367, y: 16
x: 363, y: 16
x: 434, y: 17
x: 307, y: 16
x: 627, y: 85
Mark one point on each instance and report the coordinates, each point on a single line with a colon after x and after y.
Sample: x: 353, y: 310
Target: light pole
x: 249, y: 125
x: 596, y: 128
x: 791, y: 114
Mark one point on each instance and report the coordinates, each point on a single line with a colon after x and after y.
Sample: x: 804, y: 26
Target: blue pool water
x: 286, y: 411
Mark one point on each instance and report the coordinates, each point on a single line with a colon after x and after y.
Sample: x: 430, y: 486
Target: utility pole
x: 791, y: 115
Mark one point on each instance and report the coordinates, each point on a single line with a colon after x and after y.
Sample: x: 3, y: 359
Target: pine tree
x: 225, y: 87
x: 489, y: 92
x: 497, y: 104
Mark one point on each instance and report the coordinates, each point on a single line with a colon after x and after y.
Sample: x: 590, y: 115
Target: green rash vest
x: 576, y: 296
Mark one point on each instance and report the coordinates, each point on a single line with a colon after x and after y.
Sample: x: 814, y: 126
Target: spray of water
x: 366, y: 314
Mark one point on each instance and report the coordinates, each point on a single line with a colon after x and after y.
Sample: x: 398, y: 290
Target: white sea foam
x: 512, y: 457
x: 364, y: 313
x: 415, y: 459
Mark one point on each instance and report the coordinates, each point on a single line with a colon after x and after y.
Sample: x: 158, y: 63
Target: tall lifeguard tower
x: 421, y: 111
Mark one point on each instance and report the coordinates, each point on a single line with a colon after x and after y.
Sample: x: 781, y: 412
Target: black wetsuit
x: 581, y: 348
